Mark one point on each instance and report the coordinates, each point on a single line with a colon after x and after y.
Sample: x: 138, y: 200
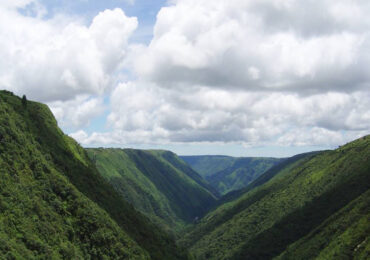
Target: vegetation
x: 206, y: 165
x: 284, y: 166
x: 54, y: 203
x: 157, y: 183
x: 227, y: 173
x: 242, y: 172
x: 317, y: 206
x: 57, y: 203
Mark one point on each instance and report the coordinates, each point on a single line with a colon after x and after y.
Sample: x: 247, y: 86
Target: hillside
x: 54, y: 203
x: 315, y: 206
x: 157, y: 183
x: 206, y: 165
x: 284, y: 166
x: 226, y: 173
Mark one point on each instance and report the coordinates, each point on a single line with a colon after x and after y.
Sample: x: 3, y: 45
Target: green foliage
x: 226, y: 173
x: 54, y: 203
x: 242, y: 172
x: 282, y: 167
x: 24, y: 101
x: 295, y: 211
x: 344, y: 235
x: 157, y: 183
x: 206, y: 165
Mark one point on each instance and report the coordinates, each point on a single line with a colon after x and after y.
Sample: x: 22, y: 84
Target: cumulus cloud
x: 145, y: 113
x: 60, y: 58
x: 301, y: 46
x: 251, y: 72
x: 78, y: 112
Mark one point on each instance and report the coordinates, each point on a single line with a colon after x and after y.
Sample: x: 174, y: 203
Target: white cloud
x: 252, y: 72
x: 78, y: 112
x: 145, y: 113
x: 260, y: 45
x: 60, y: 58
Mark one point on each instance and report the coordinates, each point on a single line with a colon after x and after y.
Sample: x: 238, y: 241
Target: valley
x: 61, y: 201
x: 226, y: 173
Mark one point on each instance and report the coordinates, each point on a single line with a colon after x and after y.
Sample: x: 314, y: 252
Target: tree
x: 24, y: 101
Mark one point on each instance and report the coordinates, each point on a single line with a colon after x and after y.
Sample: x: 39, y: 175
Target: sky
x: 234, y: 77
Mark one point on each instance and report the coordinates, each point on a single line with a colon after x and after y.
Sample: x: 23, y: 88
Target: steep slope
x: 226, y: 173
x: 242, y: 172
x: 294, y: 214
x: 206, y: 165
x: 343, y: 235
x: 157, y: 183
x: 54, y: 203
x: 284, y: 166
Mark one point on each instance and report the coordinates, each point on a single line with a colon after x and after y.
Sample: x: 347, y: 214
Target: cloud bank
x: 300, y: 46
x: 251, y: 72
x: 60, y: 58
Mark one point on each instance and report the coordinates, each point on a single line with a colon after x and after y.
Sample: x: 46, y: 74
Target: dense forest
x: 316, y: 205
x: 61, y: 201
x: 53, y: 201
x: 157, y: 183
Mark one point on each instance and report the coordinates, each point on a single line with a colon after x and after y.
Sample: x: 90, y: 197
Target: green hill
x: 226, y: 173
x: 206, y: 165
x: 316, y: 206
x: 242, y: 172
x: 53, y: 202
x: 284, y: 165
x: 157, y: 183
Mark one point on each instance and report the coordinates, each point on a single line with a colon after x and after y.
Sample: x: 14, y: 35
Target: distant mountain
x: 285, y: 165
x: 207, y: 165
x: 226, y: 173
x: 53, y: 202
x: 313, y: 206
x: 157, y: 183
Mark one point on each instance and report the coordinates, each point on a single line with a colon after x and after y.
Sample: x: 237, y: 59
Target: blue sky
x: 241, y: 78
x: 144, y: 10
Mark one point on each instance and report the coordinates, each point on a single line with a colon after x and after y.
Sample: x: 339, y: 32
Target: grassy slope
x: 291, y: 207
x: 242, y: 172
x: 53, y: 202
x: 157, y: 183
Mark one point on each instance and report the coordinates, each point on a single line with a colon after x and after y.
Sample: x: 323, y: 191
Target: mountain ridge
x: 156, y: 182
x: 270, y: 214
x: 226, y: 173
x: 53, y: 201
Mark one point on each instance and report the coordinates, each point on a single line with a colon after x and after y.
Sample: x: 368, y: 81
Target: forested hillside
x: 57, y: 203
x: 316, y: 206
x: 226, y: 173
x: 53, y: 202
x: 157, y: 183
x: 206, y: 165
